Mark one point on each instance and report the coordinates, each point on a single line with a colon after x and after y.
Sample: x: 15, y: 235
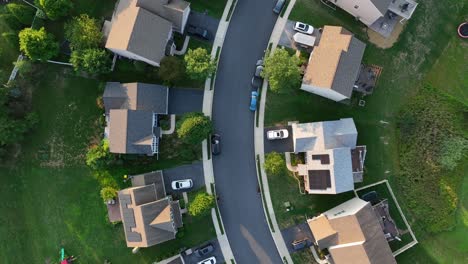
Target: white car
x: 211, y: 260
x: 277, y: 134
x: 182, y: 184
x: 303, y: 28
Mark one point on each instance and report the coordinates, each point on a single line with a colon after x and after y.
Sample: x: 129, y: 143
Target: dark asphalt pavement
x: 234, y: 169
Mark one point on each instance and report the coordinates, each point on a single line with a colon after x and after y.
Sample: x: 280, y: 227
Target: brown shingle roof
x: 334, y: 63
x: 352, y: 238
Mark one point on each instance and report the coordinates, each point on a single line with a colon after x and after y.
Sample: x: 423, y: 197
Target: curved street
x: 235, y: 169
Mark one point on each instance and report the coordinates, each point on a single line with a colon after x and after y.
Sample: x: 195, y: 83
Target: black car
x: 215, y: 144
x: 278, y: 6
x: 372, y: 197
x: 257, y: 79
x: 198, y: 32
x: 203, y: 251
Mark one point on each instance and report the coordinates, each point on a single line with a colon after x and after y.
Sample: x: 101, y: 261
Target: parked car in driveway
x: 211, y: 260
x: 215, y: 144
x: 278, y: 6
x: 198, y: 32
x: 303, y: 28
x: 182, y: 184
x: 203, y: 251
x: 277, y: 134
x: 253, y: 101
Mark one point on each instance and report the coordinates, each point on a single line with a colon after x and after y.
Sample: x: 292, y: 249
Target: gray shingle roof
x: 149, y: 36
x: 131, y: 131
x: 172, y: 10
x: 348, y: 68
x: 136, y: 96
x: 154, y: 177
x: 381, y: 5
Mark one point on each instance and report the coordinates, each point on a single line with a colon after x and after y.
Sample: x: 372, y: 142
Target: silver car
x: 277, y: 134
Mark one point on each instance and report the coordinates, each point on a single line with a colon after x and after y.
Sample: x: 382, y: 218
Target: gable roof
x: 352, y: 234
x: 171, y: 10
x: 324, y: 135
x: 335, y: 62
x: 147, y: 220
x: 136, y: 96
x: 368, y: 11
x: 131, y: 131
x: 139, y: 31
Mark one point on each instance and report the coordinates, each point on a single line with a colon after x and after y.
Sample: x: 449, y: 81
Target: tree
x: 12, y: 130
x: 171, y: 70
x: 282, y: 71
x: 23, y: 13
x: 194, y: 127
x: 202, y: 204
x: 93, y: 61
x: 11, y: 21
x: 83, y: 32
x: 98, y: 156
x: 38, y: 44
x: 274, y: 164
x: 55, y: 9
x: 199, y: 64
x: 108, y: 193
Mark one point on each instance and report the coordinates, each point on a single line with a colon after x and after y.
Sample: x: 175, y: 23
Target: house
x: 378, y: 13
x: 149, y: 216
x: 333, y: 162
x: 132, y: 115
x: 352, y: 234
x: 143, y: 29
x: 334, y: 64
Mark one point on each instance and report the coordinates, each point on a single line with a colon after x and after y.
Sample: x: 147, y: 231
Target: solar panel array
x: 129, y: 218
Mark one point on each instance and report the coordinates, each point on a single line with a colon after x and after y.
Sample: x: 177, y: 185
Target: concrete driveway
x: 205, y: 21
x: 287, y: 40
x: 192, y: 259
x: 234, y: 169
x: 191, y: 171
x: 297, y: 232
x: 278, y: 145
x: 184, y: 100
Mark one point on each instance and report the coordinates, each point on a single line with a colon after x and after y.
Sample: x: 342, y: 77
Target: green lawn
x: 449, y: 73
x: 53, y: 199
x: 405, y: 67
x: 215, y: 8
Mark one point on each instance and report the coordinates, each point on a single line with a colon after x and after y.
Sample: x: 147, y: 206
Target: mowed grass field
x: 436, y: 56
x: 51, y: 200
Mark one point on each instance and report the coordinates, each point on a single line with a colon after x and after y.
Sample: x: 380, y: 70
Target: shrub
x: 108, y: 193
x: 92, y: 61
x: 171, y: 70
x: 425, y: 123
x: 202, y: 204
x: 55, y: 9
x: 274, y: 164
x: 453, y: 151
x: 38, y: 44
x: 282, y: 71
x: 199, y: 64
x: 83, y: 32
x: 98, y: 156
x: 193, y: 128
x: 23, y: 13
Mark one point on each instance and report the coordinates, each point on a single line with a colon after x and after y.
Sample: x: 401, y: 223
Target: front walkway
x: 259, y: 146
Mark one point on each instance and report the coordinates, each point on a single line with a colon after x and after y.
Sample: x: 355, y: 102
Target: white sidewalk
x: 259, y: 148
x: 207, y: 109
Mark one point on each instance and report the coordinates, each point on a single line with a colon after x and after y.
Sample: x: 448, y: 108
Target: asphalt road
x: 234, y: 169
